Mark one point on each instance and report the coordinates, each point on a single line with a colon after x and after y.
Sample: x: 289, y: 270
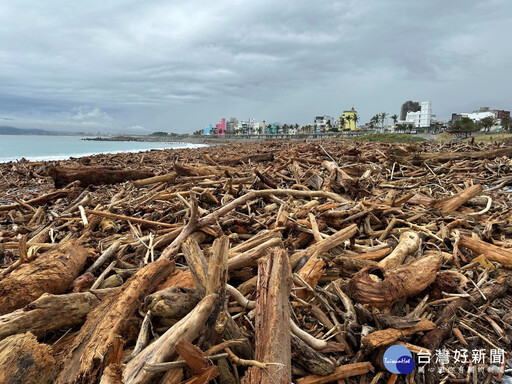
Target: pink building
x: 220, y: 129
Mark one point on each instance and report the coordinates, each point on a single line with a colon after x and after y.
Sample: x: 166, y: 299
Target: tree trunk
x: 49, y: 313
x: 272, y: 321
x: 65, y: 174
x: 52, y: 272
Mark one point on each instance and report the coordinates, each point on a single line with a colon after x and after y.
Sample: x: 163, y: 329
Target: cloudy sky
x: 134, y: 66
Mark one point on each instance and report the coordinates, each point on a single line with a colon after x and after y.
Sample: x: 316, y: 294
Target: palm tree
x: 348, y: 119
x: 395, y: 118
x: 356, y: 118
x: 342, y: 123
x: 374, y: 120
x: 383, y: 116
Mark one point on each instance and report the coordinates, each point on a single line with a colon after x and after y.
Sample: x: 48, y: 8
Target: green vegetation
x: 506, y: 123
x: 464, y: 126
x: 160, y: 134
x: 389, y: 138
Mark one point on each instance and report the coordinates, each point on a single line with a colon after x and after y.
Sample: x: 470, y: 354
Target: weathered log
x: 408, y: 244
x: 164, y: 348
x: 49, y: 313
x: 390, y: 335
x: 172, y: 302
x: 52, y: 272
x: 418, y: 158
x: 25, y: 361
x: 92, y: 345
x: 272, y: 321
x: 490, y: 251
x: 65, y: 174
x: 342, y: 372
x: 310, y: 360
x: 244, y: 159
x: 381, y: 288
x: 451, y: 203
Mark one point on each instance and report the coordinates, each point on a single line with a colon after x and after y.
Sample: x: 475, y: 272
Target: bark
x: 451, y: 203
x: 342, y: 372
x: 381, y: 288
x: 490, y: 251
x: 164, y: 348
x: 52, y: 272
x: 92, y: 345
x: 49, y: 313
x: 272, y: 321
x: 65, y: 174
x: 25, y: 361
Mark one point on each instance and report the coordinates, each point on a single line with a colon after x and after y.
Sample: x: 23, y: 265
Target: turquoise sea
x: 36, y: 148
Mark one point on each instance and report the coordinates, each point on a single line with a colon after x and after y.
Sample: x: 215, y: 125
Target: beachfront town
x: 415, y: 117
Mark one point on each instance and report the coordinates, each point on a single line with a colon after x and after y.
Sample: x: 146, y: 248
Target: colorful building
x: 348, y: 120
x: 220, y: 128
x: 208, y: 130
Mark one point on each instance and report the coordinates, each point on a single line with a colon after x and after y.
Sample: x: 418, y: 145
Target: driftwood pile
x: 256, y: 263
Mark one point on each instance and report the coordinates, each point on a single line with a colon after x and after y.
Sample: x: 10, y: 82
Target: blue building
x: 208, y: 130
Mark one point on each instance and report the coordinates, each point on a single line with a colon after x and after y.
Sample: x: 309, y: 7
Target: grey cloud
x: 174, y: 65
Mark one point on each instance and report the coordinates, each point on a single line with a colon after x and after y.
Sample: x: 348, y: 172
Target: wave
x: 67, y: 156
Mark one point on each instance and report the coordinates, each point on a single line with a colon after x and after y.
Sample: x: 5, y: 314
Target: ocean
x: 37, y: 148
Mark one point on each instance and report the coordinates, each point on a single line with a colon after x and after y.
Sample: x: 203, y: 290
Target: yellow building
x: 349, y: 119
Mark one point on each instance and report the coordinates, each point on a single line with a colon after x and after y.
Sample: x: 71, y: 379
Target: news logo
x: 398, y: 359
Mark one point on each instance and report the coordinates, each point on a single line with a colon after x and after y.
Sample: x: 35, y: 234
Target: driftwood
x: 63, y: 175
x: 49, y: 313
x: 490, y: 251
x: 106, y: 321
x: 52, y: 272
x: 24, y: 360
x: 444, y: 321
x: 187, y: 328
x: 381, y: 288
x: 345, y: 216
x: 418, y: 158
x: 408, y: 245
x: 451, y: 203
x: 272, y: 321
x: 342, y: 372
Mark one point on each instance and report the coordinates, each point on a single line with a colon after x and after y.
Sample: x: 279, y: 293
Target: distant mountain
x: 5, y: 130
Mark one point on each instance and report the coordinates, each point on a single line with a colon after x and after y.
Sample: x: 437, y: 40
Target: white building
x: 423, y: 117
x: 478, y: 116
x: 321, y: 123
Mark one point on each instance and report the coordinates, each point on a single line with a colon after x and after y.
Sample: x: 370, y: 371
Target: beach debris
x: 273, y: 262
